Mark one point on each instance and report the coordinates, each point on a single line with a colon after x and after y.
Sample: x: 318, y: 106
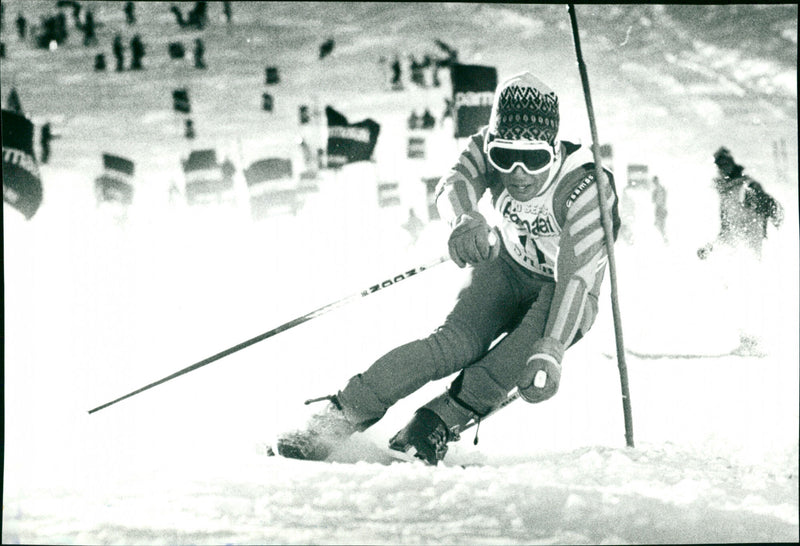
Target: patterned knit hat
x: 524, y: 108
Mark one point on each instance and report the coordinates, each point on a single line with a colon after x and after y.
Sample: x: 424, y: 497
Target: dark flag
x: 116, y: 182
x: 205, y: 182
x: 180, y: 100
x: 176, y: 50
x: 270, y: 184
x: 326, y: 48
x: 22, y: 187
x: 271, y: 75
x: 349, y: 142
x: 473, y: 93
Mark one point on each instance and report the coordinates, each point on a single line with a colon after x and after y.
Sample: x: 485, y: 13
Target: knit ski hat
x: 524, y: 108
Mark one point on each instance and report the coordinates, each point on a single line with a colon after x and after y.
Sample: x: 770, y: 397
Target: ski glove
x: 470, y: 241
x: 542, y: 374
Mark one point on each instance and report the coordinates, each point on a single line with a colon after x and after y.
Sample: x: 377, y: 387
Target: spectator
x: 417, y: 74
x: 45, y: 136
x: 130, y: 13
x: 199, y: 51
x: 228, y: 170
x: 137, y: 52
x: 13, y: 103
x: 189, y: 129
x: 88, y: 28
x: 397, y: 76
x: 428, y: 121
x: 660, y: 207
x: 119, y: 53
x: 22, y: 26
x: 326, y: 48
x: 413, y: 120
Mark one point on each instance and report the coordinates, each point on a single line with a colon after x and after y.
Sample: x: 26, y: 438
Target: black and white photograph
x: 416, y: 273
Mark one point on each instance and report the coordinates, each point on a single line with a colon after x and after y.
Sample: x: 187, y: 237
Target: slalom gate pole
x: 283, y: 327
x: 602, y: 187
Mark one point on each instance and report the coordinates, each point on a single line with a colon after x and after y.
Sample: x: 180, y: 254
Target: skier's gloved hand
x: 542, y: 375
x: 470, y: 241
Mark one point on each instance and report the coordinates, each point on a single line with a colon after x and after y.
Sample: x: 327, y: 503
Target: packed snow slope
x: 97, y: 306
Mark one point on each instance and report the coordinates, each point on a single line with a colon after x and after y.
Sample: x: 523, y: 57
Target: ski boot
x: 324, y: 431
x: 424, y: 437
x: 435, y: 424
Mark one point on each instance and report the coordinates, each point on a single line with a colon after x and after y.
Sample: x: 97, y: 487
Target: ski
x: 388, y: 455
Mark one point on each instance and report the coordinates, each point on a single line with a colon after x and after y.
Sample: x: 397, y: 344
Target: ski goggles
x: 533, y: 156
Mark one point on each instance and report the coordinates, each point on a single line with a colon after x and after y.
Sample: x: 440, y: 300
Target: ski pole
x: 602, y: 184
x: 512, y: 396
x: 283, y: 327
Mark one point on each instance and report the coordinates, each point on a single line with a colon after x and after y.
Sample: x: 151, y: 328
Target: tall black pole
x: 602, y: 187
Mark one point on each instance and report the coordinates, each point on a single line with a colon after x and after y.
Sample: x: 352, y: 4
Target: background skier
x: 744, y: 207
x: 538, y: 283
x: 744, y: 211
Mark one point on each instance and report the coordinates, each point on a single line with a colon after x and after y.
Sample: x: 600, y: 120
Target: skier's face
x: 522, y: 185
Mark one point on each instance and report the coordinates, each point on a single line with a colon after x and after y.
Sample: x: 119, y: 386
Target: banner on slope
x: 22, y: 186
x: 271, y: 187
x: 389, y: 194
x: 607, y: 156
x: 205, y: 182
x: 349, y: 142
x: 115, y: 184
x: 473, y: 92
x: 416, y: 147
x: 180, y: 100
x: 430, y: 197
x: 638, y: 176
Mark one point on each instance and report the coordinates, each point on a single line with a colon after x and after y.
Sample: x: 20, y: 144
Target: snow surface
x: 95, y: 308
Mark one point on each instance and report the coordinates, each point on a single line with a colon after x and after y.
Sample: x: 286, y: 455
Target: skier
x: 744, y: 211
x: 538, y: 284
x: 744, y: 207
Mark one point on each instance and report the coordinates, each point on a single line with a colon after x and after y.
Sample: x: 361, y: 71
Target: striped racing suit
x: 545, y: 282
